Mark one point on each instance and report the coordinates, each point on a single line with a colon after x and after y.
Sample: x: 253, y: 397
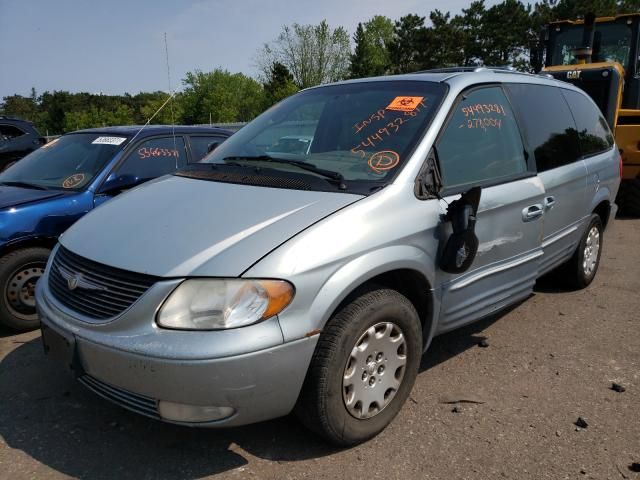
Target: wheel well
x: 410, y: 283
x: 32, y: 242
x: 603, y: 210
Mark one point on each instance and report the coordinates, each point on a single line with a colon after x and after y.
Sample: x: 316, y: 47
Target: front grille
x: 100, y: 292
x: 132, y: 401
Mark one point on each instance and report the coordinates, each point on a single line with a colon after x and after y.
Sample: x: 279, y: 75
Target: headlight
x: 213, y: 304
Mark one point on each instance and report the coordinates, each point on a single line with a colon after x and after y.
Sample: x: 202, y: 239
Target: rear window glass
x: 593, y: 131
x: 548, y: 124
x: 481, y: 141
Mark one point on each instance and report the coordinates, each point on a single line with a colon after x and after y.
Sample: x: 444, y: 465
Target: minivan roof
x: 463, y: 77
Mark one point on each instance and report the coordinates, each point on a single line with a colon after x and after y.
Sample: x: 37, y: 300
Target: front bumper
x: 258, y: 385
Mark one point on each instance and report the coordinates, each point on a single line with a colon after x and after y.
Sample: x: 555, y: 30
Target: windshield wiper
x: 24, y: 185
x: 310, y: 167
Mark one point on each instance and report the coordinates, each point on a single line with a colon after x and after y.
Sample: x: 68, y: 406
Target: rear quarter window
x: 548, y: 125
x: 201, y: 145
x: 594, y: 134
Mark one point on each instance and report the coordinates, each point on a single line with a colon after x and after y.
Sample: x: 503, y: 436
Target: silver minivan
x: 257, y: 283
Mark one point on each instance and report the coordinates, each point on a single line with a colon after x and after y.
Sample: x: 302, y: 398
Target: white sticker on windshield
x: 109, y: 140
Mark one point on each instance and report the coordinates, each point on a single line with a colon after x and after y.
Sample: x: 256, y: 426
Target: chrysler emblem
x: 77, y: 280
x: 72, y: 282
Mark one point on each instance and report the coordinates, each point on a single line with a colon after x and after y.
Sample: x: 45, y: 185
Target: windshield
x: 69, y: 162
x: 611, y: 43
x: 360, y: 133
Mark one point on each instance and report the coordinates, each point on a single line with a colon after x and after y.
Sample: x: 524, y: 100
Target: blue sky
x: 117, y: 46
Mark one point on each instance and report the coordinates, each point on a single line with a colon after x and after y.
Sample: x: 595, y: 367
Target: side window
x: 8, y: 132
x: 548, y: 124
x: 593, y: 132
x: 155, y: 157
x: 481, y: 142
x: 200, y: 145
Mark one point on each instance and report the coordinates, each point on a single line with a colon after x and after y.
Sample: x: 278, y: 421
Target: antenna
x: 173, y: 122
x: 171, y: 95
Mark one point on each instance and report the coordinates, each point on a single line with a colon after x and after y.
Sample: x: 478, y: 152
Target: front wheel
x: 363, y: 369
x: 19, y: 272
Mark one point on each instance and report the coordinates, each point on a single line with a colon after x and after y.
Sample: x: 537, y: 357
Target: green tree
x: 171, y: 113
x: 406, y: 50
x: 314, y: 54
x: 444, y: 42
x: 97, y: 117
x: 220, y: 96
x: 20, y: 107
x: 361, y: 57
x: 470, y: 23
x: 371, y: 55
x: 570, y: 9
x: 279, y: 84
x: 506, y: 42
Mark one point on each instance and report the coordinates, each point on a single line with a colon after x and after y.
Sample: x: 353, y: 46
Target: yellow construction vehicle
x: 601, y: 56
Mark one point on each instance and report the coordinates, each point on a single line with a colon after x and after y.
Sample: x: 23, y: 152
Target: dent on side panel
x: 507, y: 262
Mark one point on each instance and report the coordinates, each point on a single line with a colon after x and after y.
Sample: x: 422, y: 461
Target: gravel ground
x: 549, y: 361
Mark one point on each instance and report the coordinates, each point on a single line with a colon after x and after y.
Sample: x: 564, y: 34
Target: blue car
x: 51, y: 188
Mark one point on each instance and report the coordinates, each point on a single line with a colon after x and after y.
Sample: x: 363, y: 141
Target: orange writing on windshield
x: 405, y: 104
x: 379, y: 162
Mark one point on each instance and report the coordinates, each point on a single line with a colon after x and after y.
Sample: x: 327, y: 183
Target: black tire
x: 628, y: 198
x: 19, y: 270
x: 321, y: 406
x: 578, y: 275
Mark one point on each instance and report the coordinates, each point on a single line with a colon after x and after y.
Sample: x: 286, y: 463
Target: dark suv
x: 17, y: 139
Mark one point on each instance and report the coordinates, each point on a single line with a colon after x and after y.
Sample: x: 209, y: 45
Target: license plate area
x: 61, y: 347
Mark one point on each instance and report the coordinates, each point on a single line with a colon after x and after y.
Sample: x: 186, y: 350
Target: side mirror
x: 212, y: 146
x: 462, y: 245
x: 116, y: 183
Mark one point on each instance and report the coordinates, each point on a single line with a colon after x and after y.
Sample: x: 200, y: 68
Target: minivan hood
x: 15, y: 196
x: 178, y: 227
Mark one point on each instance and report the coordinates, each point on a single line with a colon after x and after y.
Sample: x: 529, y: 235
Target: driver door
x: 147, y: 160
x: 481, y: 145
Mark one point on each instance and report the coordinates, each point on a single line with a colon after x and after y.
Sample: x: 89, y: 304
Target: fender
x: 45, y: 241
x: 344, y: 280
x: 602, y: 195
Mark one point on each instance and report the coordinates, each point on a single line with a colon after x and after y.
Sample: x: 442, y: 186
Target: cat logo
x: 573, y: 75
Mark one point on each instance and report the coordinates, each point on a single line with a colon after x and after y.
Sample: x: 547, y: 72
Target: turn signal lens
x: 280, y: 295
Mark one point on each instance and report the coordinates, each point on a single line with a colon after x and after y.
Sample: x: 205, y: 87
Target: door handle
x: 549, y: 202
x: 532, y: 212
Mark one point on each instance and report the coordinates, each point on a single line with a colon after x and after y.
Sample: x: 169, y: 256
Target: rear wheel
x: 363, y: 368
x: 629, y: 197
x: 19, y: 272
x: 582, y: 268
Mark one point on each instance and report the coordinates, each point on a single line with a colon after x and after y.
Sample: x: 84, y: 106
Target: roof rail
x: 504, y: 69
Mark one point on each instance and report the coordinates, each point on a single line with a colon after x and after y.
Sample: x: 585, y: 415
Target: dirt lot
x: 549, y: 361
